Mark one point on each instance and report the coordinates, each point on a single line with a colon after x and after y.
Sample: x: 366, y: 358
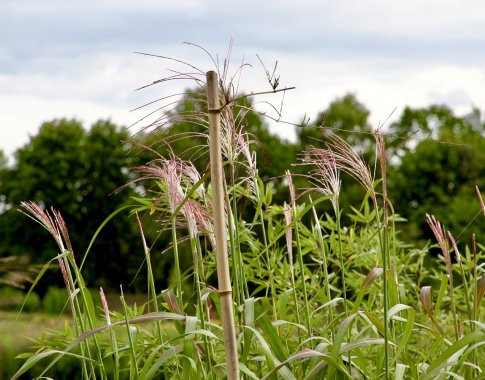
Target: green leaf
x: 441, y: 360
x: 307, y: 353
x: 273, y: 338
x: 34, y: 359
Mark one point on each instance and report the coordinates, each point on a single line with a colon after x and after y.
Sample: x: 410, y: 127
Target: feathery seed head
x: 104, y: 302
x: 55, y: 225
x: 289, y: 233
x: 348, y: 161
x: 325, y: 177
x: 441, y: 236
x: 291, y: 187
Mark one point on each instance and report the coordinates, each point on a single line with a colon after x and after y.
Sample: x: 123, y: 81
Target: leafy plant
x: 310, y: 295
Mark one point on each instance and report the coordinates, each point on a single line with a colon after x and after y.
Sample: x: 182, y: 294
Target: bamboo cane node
x: 224, y: 292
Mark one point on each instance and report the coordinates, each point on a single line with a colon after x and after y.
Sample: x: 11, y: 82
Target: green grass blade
x: 110, y: 216
x: 272, y: 337
x: 441, y: 360
x: 400, y: 370
x: 248, y: 321
x: 307, y: 353
x: 34, y: 359
x: 37, y: 279
x: 408, y: 327
x: 189, y: 347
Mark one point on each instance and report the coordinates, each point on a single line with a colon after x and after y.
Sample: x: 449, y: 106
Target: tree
x: 76, y: 171
x: 347, y: 118
x: 441, y: 161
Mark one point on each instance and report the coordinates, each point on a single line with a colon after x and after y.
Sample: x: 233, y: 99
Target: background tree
x: 441, y: 160
x: 347, y: 118
x: 75, y: 171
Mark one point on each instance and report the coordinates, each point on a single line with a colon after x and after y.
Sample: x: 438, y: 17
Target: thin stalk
x: 150, y: 279
x: 239, y: 293
x: 116, y: 360
x: 76, y: 309
x: 341, y: 257
x: 476, y: 303
x: 302, y: 274
x: 112, y: 336
x: 295, y: 299
x: 342, y: 270
x: 384, y: 240
x: 200, y: 307
x: 288, y: 217
x: 237, y: 246
x: 321, y: 243
x: 223, y: 273
x: 202, y: 278
x: 453, y: 308
x: 133, y: 362
x: 87, y: 310
x: 270, y: 272
x: 464, y: 278
x: 178, y: 276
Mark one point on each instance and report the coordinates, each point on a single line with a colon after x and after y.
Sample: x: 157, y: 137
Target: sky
x: 66, y: 59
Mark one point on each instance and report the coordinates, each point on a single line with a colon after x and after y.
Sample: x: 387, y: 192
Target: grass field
x: 17, y: 332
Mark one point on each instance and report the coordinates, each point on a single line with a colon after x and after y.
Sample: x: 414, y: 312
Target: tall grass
x: 311, y: 300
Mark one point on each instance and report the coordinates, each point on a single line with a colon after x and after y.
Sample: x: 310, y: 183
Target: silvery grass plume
x: 180, y: 177
x: 55, y: 225
x: 291, y: 188
x: 440, y: 234
x: 287, y: 210
x: 347, y: 160
x: 442, y: 237
x: 235, y: 140
x: 325, y: 177
x: 328, y: 162
x: 104, y: 302
x: 190, y: 109
x: 381, y: 150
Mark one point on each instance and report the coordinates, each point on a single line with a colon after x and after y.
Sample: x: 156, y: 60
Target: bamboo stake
x: 217, y: 181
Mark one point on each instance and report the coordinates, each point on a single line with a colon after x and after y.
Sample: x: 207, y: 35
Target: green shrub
x: 11, y: 299
x: 32, y: 303
x: 55, y: 300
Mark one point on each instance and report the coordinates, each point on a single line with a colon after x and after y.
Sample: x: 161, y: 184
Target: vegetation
x: 323, y: 286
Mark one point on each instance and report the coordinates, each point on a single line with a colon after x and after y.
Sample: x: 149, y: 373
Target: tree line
x: 435, y: 160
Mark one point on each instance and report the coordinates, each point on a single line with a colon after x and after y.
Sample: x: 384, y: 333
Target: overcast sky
x: 62, y: 58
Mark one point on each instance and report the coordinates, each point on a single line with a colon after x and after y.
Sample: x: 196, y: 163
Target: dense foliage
x: 77, y: 171
x: 436, y: 162
x: 329, y: 280
x: 315, y: 295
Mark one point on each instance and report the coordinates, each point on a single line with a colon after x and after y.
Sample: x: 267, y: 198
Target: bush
x: 11, y: 299
x: 55, y: 300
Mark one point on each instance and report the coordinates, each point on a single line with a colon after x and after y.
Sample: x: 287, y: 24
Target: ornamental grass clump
x: 267, y: 290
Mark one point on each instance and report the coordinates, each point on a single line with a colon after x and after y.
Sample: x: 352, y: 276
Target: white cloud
x: 381, y: 86
x: 23, y: 115
x: 64, y: 59
x: 412, y: 18
x: 53, y: 6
